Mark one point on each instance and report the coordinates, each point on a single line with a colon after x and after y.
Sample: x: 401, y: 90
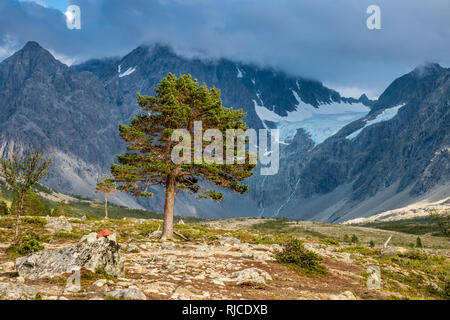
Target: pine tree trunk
x: 167, y: 232
x: 106, y: 206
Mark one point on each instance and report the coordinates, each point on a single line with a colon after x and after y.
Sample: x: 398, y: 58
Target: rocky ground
x: 235, y: 262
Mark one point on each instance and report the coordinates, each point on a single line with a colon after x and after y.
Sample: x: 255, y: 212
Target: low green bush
x: 295, y: 256
x: 38, y: 221
x: 26, y: 246
x: 354, y: 238
x: 330, y: 242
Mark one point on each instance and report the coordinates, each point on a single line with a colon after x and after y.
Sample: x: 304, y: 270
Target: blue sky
x: 57, y: 4
x: 327, y: 40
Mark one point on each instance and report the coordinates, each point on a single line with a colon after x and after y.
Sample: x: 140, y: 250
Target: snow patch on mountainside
x: 386, y: 115
x: 128, y: 72
x: 320, y: 123
x: 239, y: 74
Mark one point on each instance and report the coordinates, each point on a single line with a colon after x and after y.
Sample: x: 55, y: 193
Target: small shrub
x: 26, y: 246
x: 419, y: 243
x: 38, y: 221
x: 295, y: 256
x: 354, y: 238
x: 330, y: 242
x: 7, y: 223
x: 346, y: 238
x: 372, y: 244
x: 414, y: 255
x: 4, y: 210
x: 446, y: 291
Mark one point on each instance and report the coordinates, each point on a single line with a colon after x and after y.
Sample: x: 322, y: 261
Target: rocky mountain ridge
x: 340, y: 158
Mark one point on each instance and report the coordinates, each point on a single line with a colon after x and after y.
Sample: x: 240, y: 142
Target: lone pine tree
x: 106, y: 186
x: 177, y: 104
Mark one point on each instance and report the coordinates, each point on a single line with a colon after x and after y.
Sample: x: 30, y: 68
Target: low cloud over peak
x: 326, y: 40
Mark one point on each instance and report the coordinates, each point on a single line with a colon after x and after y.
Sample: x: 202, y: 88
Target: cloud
x: 327, y: 40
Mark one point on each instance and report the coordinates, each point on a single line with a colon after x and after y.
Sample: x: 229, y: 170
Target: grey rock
x: 132, y: 248
x: 91, y: 237
x: 8, y: 266
x: 346, y: 295
x: 12, y: 291
x: 229, y: 241
x: 131, y: 293
x: 251, y: 276
x: 58, y: 224
x: 155, y: 234
x: 100, y: 254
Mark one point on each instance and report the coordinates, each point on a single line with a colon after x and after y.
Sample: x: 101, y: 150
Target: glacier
x: 320, y: 123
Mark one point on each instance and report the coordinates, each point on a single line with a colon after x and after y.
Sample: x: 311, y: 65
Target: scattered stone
x: 167, y: 245
x: 392, y: 251
x: 346, y: 295
x: 155, y: 234
x: 132, y: 248
x: 187, y: 293
x: 8, y: 267
x: 72, y: 288
x: 12, y: 291
x: 100, y: 283
x: 251, y: 276
x: 20, y: 280
x: 91, y: 237
x: 218, y: 282
x: 131, y: 293
x: 275, y: 248
x: 159, y: 287
x: 228, y: 241
x: 100, y: 254
x: 434, y: 286
x: 59, y: 224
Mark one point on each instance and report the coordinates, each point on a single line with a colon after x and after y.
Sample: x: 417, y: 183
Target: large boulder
x: 100, y: 254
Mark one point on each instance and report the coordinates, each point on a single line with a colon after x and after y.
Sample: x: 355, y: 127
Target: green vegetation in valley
x: 417, y: 226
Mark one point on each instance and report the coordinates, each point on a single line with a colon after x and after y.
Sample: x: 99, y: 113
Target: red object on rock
x: 104, y: 233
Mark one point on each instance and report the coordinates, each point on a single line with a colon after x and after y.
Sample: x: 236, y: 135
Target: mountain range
x: 340, y: 157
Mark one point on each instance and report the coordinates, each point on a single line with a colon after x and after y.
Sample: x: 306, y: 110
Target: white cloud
x: 354, y: 92
x: 8, y: 45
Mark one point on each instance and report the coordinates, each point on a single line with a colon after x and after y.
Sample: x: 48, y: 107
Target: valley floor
x: 235, y: 259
